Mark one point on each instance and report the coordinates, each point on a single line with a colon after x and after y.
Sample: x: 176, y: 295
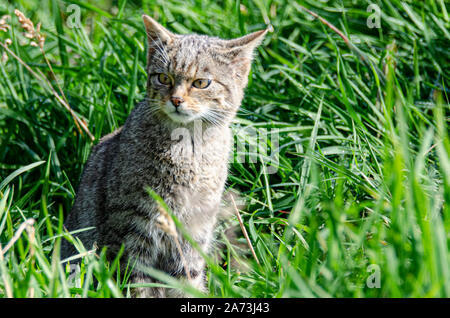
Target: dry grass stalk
x: 347, y: 41
x: 4, y: 57
x: 35, y: 34
x: 30, y: 31
x: 24, y: 226
x: 7, y: 286
x: 38, y: 40
x: 244, y: 231
x: 42, y: 77
x: 4, y: 26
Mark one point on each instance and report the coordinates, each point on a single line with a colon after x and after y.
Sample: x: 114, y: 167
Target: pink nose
x: 176, y: 101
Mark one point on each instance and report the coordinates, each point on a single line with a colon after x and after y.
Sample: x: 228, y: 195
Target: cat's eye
x: 164, y: 79
x: 201, y: 83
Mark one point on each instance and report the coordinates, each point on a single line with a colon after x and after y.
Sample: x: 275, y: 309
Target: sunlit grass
x: 362, y: 186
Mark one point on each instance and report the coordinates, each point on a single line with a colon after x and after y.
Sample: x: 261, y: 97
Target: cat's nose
x: 176, y: 101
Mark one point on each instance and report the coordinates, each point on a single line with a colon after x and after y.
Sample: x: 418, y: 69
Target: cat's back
x: 96, y: 167
x: 87, y: 210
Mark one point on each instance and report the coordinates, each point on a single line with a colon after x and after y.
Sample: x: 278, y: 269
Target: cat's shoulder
x: 111, y: 136
x: 106, y: 141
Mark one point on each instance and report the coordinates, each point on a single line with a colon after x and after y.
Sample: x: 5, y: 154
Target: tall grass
x: 359, y: 203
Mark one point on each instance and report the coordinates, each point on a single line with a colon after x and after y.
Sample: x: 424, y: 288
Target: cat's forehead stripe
x: 186, y: 55
x: 189, y: 54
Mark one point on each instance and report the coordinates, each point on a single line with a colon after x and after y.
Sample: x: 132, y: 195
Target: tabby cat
x: 176, y: 142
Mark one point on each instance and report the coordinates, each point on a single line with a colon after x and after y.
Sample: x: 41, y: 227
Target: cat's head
x: 197, y: 77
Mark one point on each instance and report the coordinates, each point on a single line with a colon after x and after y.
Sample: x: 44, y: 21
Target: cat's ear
x: 156, y: 31
x: 241, y: 50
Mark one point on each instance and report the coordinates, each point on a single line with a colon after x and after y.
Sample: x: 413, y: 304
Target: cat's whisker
x: 214, y: 118
x: 233, y: 113
x: 153, y: 108
x: 222, y: 111
x: 223, y: 114
x: 153, y: 105
x: 159, y: 63
x: 151, y: 99
x: 160, y: 48
x: 160, y: 58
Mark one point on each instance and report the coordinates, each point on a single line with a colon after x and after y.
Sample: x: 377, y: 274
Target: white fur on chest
x: 203, y: 166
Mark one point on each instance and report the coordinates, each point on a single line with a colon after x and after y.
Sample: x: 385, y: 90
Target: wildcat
x: 195, y: 83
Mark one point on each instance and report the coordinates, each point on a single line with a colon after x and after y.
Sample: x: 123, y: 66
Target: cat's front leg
x: 196, y: 280
x: 193, y: 270
x: 144, y: 291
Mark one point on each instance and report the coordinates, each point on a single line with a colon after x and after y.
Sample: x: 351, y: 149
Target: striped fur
x: 183, y: 157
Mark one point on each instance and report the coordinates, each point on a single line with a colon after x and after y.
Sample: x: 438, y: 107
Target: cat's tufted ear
x: 240, y: 51
x: 156, y: 31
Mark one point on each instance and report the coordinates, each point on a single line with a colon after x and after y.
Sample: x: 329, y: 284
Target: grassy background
x: 363, y: 183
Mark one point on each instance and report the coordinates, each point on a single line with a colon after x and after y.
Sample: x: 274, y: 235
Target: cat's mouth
x: 177, y: 111
x: 179, y: 114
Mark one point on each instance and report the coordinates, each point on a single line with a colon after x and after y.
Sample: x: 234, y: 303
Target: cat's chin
x: 181, y: 118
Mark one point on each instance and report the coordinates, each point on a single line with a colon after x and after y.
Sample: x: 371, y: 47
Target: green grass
x: 363, y: 182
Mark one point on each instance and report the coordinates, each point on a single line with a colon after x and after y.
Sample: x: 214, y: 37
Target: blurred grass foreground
x: 357, y: 93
